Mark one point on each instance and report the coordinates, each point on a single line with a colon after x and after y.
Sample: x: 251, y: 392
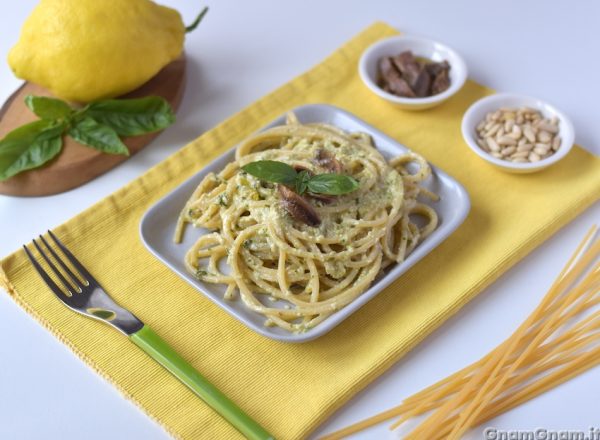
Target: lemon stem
x: 197, y: 21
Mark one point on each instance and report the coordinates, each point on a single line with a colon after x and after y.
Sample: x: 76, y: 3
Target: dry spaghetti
x: 558, y: 341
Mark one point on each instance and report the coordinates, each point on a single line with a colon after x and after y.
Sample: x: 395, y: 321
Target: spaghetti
x: 295, y: 274
x: 558, y: 341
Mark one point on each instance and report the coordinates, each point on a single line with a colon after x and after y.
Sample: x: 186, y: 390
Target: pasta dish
x: 297, y: 256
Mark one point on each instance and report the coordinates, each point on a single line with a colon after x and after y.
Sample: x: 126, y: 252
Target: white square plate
x: 158, y: 225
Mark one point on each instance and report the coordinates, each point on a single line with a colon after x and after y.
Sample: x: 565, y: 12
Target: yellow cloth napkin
x: 288, y: 388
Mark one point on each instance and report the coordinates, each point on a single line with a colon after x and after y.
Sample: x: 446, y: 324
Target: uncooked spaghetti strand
x: 478, y: 380
x: 544, y: 354
x: 484, y: 395
x: 578, y: 366
x: 552, y: 380
x: 426, y: 398
x: 463, y: 373
x: 495, y: 363
x: 567, y: 356
x: 573, y: 340
x: 561, y: 344
x: 476, y: 406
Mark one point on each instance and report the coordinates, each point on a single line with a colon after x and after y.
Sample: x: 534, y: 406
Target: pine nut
x: 541, y: 150
x: 482, y: 144
x: 544, y: 136
x: 506, y: 140
x: 546, y: 126
x: 518, y: 134
x: 528, y: 133
x: 525, y: 147
x: 519, y: 154
x: 492, y: 144
x: 508, y: 151
x: 556, y: 143
x: 493, y: 130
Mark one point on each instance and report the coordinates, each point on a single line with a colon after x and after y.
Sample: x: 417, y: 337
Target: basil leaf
x: 302, y: 182
x: 197, y: 21
x: 29, y: 146
x: 272, y: 171
x: 132, y: 117
x: 332, y: 184
x: 48, y: 108
x: 89, y: 132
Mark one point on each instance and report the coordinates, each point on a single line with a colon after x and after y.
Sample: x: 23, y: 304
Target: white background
x: 245, y: 49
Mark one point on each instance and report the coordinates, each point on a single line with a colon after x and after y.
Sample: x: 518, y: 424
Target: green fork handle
x: 159, y: 350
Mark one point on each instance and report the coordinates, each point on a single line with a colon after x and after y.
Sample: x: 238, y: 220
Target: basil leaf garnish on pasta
x: 272, y: 171
x: 302, y: 181
x: 331, y: 184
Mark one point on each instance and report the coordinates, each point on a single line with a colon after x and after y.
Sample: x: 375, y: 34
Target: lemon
x: 85, y: 50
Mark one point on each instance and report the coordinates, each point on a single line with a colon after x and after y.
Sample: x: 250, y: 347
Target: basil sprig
x: 278, y: 172
x: 132, y: 117
x: 98, y: 125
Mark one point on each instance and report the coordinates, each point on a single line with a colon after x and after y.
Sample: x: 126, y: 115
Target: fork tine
x: 57, y: 290
x: 73, y: 277
x: 60, y: 276
x: 74, y: 261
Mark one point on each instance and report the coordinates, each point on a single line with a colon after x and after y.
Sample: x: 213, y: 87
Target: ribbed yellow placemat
x: 288, y: 388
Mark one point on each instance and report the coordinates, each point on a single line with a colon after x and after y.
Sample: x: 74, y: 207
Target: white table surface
x: 244, y: 50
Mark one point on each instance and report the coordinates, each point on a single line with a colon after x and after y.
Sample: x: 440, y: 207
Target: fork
x: 83, y: 294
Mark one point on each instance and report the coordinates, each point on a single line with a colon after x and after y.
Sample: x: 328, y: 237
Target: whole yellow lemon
x: 85, y: 50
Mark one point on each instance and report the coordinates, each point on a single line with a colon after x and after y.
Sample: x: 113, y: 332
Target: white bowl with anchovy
x: 412, y: 73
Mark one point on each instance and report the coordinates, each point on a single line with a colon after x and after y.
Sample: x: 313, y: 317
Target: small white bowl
x: 421, y: 47
x: 477, y: 112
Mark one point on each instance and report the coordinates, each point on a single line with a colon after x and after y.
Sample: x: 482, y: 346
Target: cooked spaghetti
x: 294, y: 273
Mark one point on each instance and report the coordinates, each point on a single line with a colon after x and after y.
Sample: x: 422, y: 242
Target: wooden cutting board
x: 77, y: 164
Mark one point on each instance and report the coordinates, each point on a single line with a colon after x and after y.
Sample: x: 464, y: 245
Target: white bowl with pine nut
x: 531, y: 153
